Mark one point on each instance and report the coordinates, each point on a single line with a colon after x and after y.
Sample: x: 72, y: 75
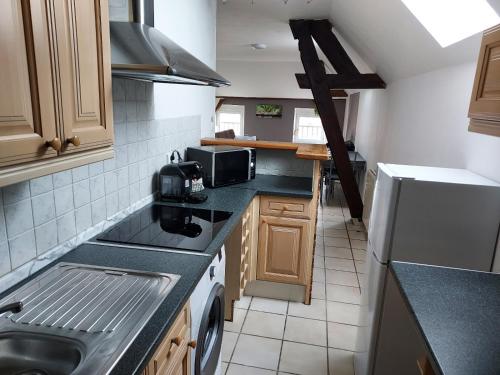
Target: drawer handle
x: 55, y: 144
x: 192, y: 344
x: 75, y: 141
x: 177, y: 340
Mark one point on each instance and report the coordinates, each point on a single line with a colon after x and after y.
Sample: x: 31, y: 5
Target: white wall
x: 264, y: 79
x: 423, y: 120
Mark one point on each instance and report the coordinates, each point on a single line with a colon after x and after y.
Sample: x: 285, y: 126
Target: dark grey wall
x: 277, y: 129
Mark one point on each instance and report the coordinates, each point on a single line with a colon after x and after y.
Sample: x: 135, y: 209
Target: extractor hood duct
x: 139, y: 51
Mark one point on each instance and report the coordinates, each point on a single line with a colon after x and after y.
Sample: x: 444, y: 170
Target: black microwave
x: 224, y: 165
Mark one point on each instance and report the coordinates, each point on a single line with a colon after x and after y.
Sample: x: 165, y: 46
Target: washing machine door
x: 209, y: 341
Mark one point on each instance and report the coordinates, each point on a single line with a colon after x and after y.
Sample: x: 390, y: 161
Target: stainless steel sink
x: 78, y: 319
x: 36, y: 354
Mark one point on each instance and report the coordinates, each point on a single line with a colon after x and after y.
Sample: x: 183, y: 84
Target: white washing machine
x: 207, y: 319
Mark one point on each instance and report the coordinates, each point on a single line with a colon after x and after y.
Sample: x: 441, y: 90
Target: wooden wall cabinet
x: 55, y: 87
x: 173, y: 356
x: 484, y: 110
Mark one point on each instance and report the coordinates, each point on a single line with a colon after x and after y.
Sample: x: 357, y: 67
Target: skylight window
x: 450, y: 21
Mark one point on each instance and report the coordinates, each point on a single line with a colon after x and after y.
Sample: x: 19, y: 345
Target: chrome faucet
x: 14, y: 307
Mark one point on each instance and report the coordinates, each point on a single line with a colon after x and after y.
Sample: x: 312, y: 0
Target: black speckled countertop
x: 458, y: 314
x: 190, y: 267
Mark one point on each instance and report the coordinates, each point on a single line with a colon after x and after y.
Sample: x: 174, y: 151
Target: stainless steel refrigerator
x: 439, y: 216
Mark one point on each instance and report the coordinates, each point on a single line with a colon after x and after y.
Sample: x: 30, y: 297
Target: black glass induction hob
x: 168, y: 227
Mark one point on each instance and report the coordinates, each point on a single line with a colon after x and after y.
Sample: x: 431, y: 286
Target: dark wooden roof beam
x: 345, y: 81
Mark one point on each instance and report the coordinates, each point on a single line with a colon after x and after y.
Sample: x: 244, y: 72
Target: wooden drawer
x: 174, y: 345
x: 286, y: 207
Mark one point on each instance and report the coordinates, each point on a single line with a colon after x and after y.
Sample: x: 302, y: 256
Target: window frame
x: 231, y: 109
x: 306, y: 112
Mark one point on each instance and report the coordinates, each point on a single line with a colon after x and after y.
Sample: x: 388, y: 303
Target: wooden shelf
x: 303, y: 150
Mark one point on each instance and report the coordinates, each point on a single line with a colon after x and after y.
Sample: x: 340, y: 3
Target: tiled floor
x: 277, y: 337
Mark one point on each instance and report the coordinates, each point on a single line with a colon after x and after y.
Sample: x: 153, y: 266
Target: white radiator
x: 371, y: 177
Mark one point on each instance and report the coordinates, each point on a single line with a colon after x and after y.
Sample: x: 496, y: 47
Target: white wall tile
x: 3, y: 229
x: 111, y: 204
x: 4, y: 258
x: 123, y: 198
x: 133, y: 173
x: 46, y: 237
x: 22, y: 248
x: 61, y: 179
x: 64, y: 200
x: 96, y: 168
x: 18, y: 217
x: 83, y: 218
x: 17, y: 192
x: 41, y: 185
x: 132, y: 132
x: 81, y: 193
x: 122, y: 177
x: 98, y: 211
x: 80, y: 173
x: 97, y: 187
x: 110, y: 182
x: 44, y: 208
x: 121, y: 155
x: 135, y: 193
x: 109, y: 164
x: 66, y: 227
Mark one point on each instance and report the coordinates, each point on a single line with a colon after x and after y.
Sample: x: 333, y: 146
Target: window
x: 450, y: 21
x: 231, y: 117
x: 307, y: 127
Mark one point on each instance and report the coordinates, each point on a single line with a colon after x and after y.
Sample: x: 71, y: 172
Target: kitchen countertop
x: 233, y: 198
x: 458, y: 314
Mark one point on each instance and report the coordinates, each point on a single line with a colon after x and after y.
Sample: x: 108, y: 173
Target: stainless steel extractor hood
x: 139, y: 51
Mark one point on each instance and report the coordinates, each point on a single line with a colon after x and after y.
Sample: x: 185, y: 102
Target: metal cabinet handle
x: 54, y: 143
x: 75, y: 140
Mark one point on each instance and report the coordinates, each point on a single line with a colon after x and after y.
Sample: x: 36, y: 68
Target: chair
x: 228, y: 134
x: 328, y: 177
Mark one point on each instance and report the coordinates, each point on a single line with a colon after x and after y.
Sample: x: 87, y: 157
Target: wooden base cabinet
x: 55, y: 86
x: 283, y: 249
x: 173, y: 357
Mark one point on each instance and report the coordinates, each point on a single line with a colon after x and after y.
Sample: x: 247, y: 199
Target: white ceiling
x: 383, y: 32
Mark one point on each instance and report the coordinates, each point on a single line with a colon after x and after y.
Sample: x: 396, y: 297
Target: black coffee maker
x: 181, y: 182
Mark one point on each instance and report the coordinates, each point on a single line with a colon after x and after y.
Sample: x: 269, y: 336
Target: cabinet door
x: 484, y: 111
x: 400, y: 348
x: 282, y: 249
x: 27, y: 119
x: 85, y: 73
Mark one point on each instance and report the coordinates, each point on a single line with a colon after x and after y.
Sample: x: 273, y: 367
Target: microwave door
x: 231, y: 167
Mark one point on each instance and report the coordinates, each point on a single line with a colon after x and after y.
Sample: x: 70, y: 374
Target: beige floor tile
x: 228, y: 344
x: 319, y: 239
x: 341, y: 278
x: 340, y: 264
x: 307, y: 331
x: 358, y: 244
x: 328, y: 224
x: 269, y: 305
x: 316, y: 310
x: 341, y: 362
x: 264, y: 324
x: 319, y: 261
x: 342, y: 336
x: 360, y: 266
x: 237, y: 323
x: 358, y: 235
x: 224, y: 367
x: 342, y: 233
x: 319, y: 275
x: 338, y: 242
x: 345, y: 313
x: 359, y: 254
x: 243, y: 303
x: 235, y: 369
x: 355, y: 226
x: 338, y: 252
x: 303, y: 359
x: 341, y: 293
x: 257, y: 351
x: 318, y: 290
x: 332, y: 210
